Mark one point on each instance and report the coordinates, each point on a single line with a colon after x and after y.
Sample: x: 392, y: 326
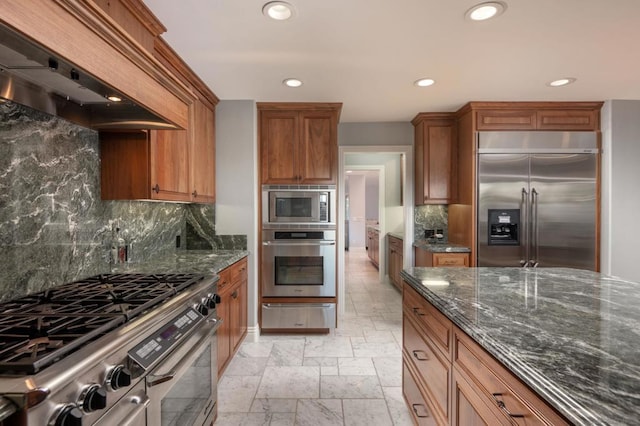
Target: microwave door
x: 301, y: 207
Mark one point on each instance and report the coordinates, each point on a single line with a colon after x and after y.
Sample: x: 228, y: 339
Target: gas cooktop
x: 38, y: 329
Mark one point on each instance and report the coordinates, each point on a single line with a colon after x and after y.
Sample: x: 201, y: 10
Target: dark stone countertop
x: 208, y: 262
x: 441, y: 247
x: 573, y: 336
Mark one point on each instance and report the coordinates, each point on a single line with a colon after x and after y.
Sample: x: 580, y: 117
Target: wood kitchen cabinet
x: 395, y: 260
x: 435, y: 158
x: 459, y: 382
x: 298, y: 142
x: 373, y: 246
x: 168, y: 165
x: 232, y: 309
x: 426, y: 258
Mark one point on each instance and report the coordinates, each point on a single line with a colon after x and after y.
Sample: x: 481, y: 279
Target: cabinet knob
x: 235, y: 294
x: 156, y: 188
x: 195, y: 194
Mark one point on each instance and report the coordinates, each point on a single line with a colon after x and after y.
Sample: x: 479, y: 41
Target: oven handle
x: 154, y: 380
x: 141, y: 405
x: 298, y: 243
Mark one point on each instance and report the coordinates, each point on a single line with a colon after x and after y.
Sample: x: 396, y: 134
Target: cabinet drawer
x: 568, y: 120
x: 238, y: 271
x: 500, y: 388
x: 395, y: 243
x: 450, y: 259
x: 436, y: 326
x: 506, y: 120
x: 432, y: 367
x: 225, y: 279
x: 417, y: 406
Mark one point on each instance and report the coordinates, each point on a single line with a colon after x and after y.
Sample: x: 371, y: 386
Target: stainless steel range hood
x: 32, y: 76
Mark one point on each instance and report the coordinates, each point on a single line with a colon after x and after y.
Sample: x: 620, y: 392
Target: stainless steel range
x: 113, y: 349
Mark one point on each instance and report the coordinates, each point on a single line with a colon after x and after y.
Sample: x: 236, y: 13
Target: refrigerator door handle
x: 524, y: 206
x: 535, y: 247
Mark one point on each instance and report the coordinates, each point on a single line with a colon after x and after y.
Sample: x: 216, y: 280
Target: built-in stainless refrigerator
x: 538, y: 199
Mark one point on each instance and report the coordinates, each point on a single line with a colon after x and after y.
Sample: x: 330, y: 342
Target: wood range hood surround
x: 80, y: 35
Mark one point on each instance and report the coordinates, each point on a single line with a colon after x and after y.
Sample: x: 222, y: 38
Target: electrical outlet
x: 429, y: 233
x: 177, y: 241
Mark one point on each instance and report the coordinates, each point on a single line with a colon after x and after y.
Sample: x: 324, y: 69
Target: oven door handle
x: 141, y: 405
x: 156, y: 379
x: 299, y: 243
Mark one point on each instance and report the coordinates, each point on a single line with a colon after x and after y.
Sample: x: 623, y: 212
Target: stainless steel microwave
x: 298, y: 204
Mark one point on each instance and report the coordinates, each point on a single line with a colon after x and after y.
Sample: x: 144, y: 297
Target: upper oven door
x: 298, y: 267
x: 183, y: 387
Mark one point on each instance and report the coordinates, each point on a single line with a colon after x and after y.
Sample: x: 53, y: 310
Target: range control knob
x: 93, y: 398
x: 211, y: 301
x: 203, y: 309
x: 118, y: 377
x: 69, y: 415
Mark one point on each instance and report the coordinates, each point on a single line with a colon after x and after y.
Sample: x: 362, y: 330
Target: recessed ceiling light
x: 114, y: 98
x: 484, y: 11
x: 424, y: 82
x: 561, y: 82
x: 292, y: 82
x: 278, y: 10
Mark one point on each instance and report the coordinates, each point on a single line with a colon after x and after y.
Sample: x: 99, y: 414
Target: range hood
x: 32, y: 76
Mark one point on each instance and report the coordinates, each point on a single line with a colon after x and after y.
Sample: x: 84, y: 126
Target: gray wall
x: 620, y: 194
x: 237, y: 183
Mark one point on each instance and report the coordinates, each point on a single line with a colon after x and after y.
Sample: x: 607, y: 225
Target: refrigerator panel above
x: 501, y: 211
x: 563, y: 187
x: 537, y: 142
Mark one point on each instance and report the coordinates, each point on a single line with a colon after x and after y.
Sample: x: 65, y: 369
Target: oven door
x: 183, y: 388
x: 299, y: 268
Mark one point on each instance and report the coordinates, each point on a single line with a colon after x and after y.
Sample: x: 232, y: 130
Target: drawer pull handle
x: 503, y: 406
x: 425, y: 412
x: 417, y: 312
x: 423, y: 354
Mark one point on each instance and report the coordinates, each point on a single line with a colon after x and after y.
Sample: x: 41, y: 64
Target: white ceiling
x: 368, y: 53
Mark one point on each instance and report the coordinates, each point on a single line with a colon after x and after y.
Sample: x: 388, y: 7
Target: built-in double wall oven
x: 298, y: 257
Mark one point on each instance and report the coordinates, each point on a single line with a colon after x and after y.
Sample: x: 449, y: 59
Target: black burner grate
x: 39, y: 329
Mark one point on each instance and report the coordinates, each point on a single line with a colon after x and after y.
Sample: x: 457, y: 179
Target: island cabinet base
x: 448, y: 379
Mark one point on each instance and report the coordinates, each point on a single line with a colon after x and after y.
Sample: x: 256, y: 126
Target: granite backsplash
x: 54, y: 228
x: 430, y: 217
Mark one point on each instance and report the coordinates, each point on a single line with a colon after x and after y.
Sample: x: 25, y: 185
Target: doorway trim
x: 408, y: 205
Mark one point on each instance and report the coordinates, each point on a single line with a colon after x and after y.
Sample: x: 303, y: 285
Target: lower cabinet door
x: 419, y: 409
x: 469, y: 409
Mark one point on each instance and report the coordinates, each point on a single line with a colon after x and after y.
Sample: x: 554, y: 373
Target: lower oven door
x: 183, y: 388
x: 299, y: 269
x: 130, y: 410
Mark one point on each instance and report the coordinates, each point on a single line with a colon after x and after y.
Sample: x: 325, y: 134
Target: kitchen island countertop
x: 208, y: 262
x: 573, y: 336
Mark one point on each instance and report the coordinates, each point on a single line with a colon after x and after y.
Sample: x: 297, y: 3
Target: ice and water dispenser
x: 504, y: 227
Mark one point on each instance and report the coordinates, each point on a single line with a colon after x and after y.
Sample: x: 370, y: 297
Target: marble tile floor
x: 352, y: 376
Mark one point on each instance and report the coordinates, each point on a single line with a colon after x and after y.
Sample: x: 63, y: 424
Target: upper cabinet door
x: 435, y: 159
x: 318, y: 148
x: 203, y: 155
x: 169, y: 163
x: 279, y: 137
